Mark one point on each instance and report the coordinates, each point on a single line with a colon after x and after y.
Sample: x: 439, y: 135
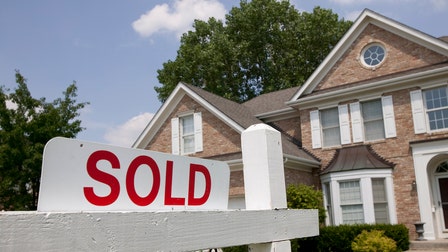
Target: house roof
x: 271, y: 102
x: 356, y: 158
x: 368, y: 17
x: 238, y: 116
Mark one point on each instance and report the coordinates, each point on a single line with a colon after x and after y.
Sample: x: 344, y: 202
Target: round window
x: 373, y: 55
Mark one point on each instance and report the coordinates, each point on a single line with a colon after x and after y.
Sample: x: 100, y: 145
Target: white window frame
x: 177, y: 142
x: 353, y: 119
x: 420, y: 111
x: 365, y: 178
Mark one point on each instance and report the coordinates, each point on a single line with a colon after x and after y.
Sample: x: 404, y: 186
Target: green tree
x: 26, y: 124
x: 264, y: 46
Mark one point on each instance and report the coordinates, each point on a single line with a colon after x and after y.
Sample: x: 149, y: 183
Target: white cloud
x: 125, y: 134
x: 346, y: 2
x: 177, y: 17
x: 439, y: 4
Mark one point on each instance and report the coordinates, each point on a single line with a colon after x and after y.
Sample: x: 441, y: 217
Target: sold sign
x: 84, y: 176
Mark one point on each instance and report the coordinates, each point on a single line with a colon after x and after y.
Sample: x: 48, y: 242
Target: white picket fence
x: 266, y: 224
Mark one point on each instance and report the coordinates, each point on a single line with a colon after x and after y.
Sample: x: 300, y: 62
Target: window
x: 186, y: 134
x: 330, y: 127
x: 372, y: 115
x: 436, y: 102
x: 365, y: 196
x: 351, y: 202
x: 380, y: 200
x: 430, y: 109
x: 370, y: 120
x: 373, y: 55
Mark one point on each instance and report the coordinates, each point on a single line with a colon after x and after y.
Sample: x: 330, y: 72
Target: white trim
x: 418, y: 111
x: 368, y: 17
x: 357, y: 123
x: 315, y: 129
x: 422, y: 154
x: 175, y: 136
x: 344, y: 124
x: 365, y: 177
x: 388, y: 116
x: 168, y: 107
x: 198, y: 143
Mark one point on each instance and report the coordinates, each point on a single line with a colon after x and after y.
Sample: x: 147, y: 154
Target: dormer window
x: 373, y: 55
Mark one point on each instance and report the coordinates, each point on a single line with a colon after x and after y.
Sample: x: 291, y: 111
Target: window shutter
x: 357, y: 125
x: 198, y: 146
x: 388, y: 116
x: 344, y: 124
x: 315, y: 129
x: 418, y: 112
x: 175, y: 136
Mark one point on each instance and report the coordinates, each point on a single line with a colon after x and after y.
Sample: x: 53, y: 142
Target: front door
x: 443, y: 202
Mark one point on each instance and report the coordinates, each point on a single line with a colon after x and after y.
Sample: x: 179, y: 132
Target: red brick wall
x: 218, y: 137
x: 396, y: 150
x: 401, y: 55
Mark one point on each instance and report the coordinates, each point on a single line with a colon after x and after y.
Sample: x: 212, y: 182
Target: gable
x: 215, y: 132
x: 414, y: 50
x: 401, y: 55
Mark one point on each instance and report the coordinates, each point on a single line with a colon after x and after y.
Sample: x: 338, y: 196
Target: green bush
x: 340, y: 238
x: 373, y: 241
x: 306, y: 197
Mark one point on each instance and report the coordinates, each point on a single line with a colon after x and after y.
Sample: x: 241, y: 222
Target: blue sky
x: 113, y: 49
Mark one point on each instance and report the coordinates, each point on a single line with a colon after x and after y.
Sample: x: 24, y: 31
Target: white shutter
x: 344, y: 124
x: 315, y: 129
x: 357, y: 124
x: 198, y: 146
x: 175, y: 136
x: 388, y: 116
x: 418, y: 112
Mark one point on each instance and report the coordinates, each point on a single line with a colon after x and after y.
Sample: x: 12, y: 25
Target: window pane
x: 372, y: 114
x: 187, y: 125
x: 188, y: 144
x: 436, y: 102
x: 330, y: 127
x: 351, y: 202
x: 187, y: 132
x: 352, y: 214
x: 380, y: 201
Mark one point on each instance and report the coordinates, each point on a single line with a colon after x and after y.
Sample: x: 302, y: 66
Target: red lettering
x: 169, y: 200
x: 130, y: 180
x: 194, y: 168
x: 102, y: 177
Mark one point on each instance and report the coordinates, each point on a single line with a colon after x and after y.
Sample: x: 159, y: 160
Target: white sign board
x: 85, y: 176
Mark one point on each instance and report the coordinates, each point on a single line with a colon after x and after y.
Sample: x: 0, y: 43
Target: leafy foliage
x: 373, y: 241
x: 306, y: 197
x: 264, y: 46
x: 26, y: 125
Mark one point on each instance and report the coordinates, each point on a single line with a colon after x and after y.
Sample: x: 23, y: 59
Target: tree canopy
x: 263, y: 46
x: 26, y: 125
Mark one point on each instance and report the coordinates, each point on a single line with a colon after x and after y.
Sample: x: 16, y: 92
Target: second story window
x: 330, y: 127
x: 436, y: 102
x: 430, y: 109
x: 186, y: 134
x: 372, y: 115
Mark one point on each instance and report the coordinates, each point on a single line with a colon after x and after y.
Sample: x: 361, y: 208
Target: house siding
x: 396, y: 150
x: 218, y: 137
x: 401, y: 55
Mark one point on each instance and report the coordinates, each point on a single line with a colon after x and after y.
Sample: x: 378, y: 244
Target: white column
x: 264, y: 177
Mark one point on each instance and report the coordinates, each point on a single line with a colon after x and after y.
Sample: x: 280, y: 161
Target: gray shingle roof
x: 244, y: 114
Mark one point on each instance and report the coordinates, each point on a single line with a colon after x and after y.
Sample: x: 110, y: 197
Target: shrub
x: 373, y: 241
x: 306, y: 197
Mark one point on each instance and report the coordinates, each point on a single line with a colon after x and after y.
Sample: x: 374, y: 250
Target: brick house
x: 369, y: 127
